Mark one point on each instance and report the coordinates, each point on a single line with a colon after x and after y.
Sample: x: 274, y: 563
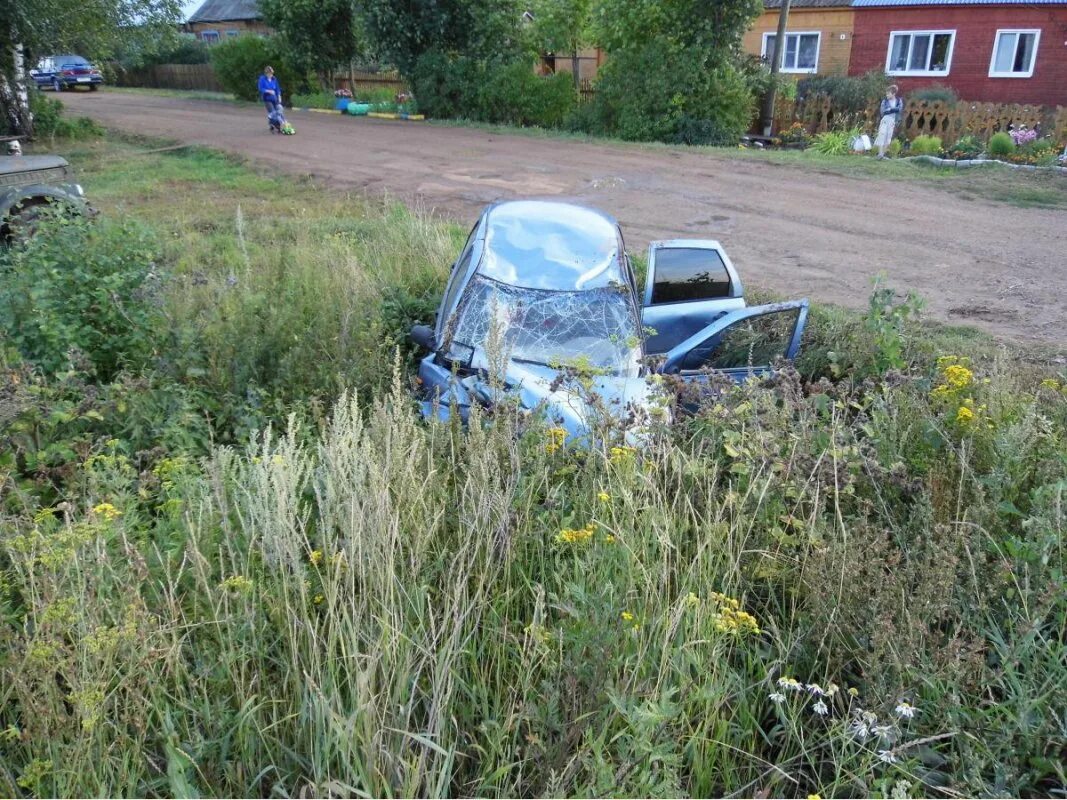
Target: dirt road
x: 793, y: 231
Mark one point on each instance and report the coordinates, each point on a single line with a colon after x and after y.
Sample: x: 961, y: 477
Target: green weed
x: 246, y: 566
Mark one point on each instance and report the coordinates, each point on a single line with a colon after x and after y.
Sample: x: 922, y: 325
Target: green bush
x: 514, y: 95
x: 926, y: 146
x: 937, y: 93
x: 508, y: 93
x: 833, y: 143
x: 49, y: 122
x: 848, y: 95
x: 969, y: 146
x: 239, y: 62
x: 313, y: 100
x: 656, y: 94
x: 447, y: 88
x: 895, y: 147
x: 1001, y: 144
x: 75, y: 287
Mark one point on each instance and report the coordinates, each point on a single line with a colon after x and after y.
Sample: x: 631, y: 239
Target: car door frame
x: 672, y: 363
x: 694, y: 313
x: 460, y: 278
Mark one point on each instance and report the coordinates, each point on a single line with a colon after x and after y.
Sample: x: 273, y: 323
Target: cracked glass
x: 549, y: 327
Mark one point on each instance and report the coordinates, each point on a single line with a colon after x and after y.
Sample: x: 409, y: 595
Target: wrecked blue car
x: 542, y: 287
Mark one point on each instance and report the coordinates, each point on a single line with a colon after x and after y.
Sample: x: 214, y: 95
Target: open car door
x: 741, y: 343
x: 690, y: 283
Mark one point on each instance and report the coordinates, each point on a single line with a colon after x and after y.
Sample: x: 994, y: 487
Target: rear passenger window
x: 686, y: 273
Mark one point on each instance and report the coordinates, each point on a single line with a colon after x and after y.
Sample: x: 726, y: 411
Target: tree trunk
x: 777, y: 57
x: 14, y: 97
x: 576, y: 66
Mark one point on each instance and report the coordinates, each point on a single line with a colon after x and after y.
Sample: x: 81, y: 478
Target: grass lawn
x: 235, y: 562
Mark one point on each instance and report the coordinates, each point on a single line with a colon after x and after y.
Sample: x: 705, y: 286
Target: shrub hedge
x: 509, y: 93
x: 239, y: 62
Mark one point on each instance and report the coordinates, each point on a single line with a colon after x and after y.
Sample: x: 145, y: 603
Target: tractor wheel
x: 23, y: 221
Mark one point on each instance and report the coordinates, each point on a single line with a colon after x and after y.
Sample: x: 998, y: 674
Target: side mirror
x: 422, y: 335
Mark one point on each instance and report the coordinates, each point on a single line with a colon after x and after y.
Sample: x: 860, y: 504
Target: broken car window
x: 752, y: 342
x: 550, y: 327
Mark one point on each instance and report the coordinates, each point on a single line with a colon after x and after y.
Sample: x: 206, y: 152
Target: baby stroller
x: 278, y: 124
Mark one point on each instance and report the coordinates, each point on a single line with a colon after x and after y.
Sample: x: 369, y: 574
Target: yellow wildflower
x: 315, y: 558
x: 853, y: 691
x: 814, y: 797
x: 603, y: 497
x: 609, y: 539
x: 958, y: 376
x: 107, y: 511
x: 731, y: 619
x: 318, y: 599
x: 576, y: 536
x: 964, y: 415
x: 1052, y: 384
x: 277, y: 460
x: 627, y: 616
x: 555, y: 438
x: 236, y: 583
x: 539, y: 634
x: 692, y: 600
x: 620, y: 455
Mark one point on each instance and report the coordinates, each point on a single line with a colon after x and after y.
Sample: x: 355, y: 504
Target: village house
x: 1007, y: 51
x: 818, y: 39
x: 216, y: 20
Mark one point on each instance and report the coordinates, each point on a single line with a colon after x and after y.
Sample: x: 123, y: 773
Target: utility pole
x: 777, y: 57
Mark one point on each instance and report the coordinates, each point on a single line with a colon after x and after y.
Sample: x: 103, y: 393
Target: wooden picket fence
x: 170, y: 76
x: 933, y: 118
x: 369, y: 79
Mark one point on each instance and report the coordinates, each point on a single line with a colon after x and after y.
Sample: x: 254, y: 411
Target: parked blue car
x: 549, y: 286
x: 66, y: 72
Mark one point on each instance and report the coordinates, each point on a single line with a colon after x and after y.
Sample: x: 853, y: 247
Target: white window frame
x: 232, y: 33
x: 215, y: 37
x: 921, y: 72
x: 1033, y: 59
x: 818, y: 48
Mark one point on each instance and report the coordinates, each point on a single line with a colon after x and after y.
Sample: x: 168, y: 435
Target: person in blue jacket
x: 270, y: 91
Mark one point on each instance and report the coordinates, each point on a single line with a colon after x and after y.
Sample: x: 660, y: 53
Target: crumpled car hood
x: 538, y: 388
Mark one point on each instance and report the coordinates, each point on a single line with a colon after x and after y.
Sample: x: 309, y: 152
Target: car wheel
x: 23, y: 222
x: 56, y: 85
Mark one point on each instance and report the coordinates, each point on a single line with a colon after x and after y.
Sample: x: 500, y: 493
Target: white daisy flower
x: 791, y: 683
x: 816, y: 690
x: 906, y: 710
x: 776, y: 697
x: 887, y: 756
x: 883, y: 732
x: 820, y: 708
x: 860, y: 730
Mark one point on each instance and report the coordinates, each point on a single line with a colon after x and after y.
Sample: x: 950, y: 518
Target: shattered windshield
x: 549, y: 327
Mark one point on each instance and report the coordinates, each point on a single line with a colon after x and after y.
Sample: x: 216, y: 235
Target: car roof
x: 68, y: 57
x: 550, y: 245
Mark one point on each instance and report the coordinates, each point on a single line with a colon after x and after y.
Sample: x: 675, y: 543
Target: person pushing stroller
x: 270, y: 91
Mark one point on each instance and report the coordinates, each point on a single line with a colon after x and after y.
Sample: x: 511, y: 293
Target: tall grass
x: 338, y: 598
